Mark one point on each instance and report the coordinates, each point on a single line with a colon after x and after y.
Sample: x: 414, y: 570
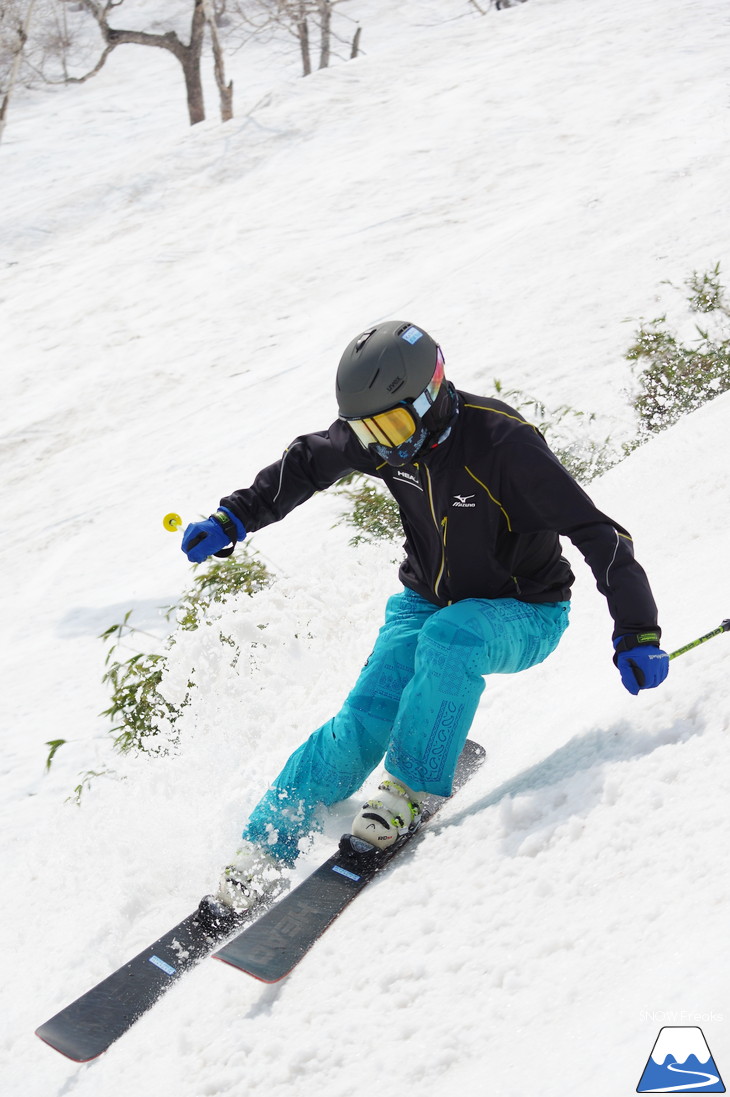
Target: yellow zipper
x: 444, y: 525
x: 440, y: 529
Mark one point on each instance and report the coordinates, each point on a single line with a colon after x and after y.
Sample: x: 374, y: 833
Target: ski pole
x: 172, y: 522
x: 724, y: 627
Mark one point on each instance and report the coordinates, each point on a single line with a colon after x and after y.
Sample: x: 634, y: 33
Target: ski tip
x: 76, y: 1055
x: 260, y: 976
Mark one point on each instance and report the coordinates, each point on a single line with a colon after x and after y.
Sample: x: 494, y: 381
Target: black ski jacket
x: 482, y: 513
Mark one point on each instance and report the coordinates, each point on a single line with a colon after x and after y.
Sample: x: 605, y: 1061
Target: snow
x: 174, y: 304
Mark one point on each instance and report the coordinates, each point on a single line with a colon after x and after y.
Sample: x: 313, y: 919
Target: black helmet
x: 391, y: 390
x: 384, y: 366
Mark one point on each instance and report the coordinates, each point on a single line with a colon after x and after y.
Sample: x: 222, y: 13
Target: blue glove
x: 208, y: 538
x: 641, y: 662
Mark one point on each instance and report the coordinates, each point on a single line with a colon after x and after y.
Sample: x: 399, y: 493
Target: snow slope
x: 174, y: 302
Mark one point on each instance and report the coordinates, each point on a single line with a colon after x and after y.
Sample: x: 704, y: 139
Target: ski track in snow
x: 174, y: 304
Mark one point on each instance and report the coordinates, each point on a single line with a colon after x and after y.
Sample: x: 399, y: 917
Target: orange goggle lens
x: 389, y: 428
x: 394, y: 427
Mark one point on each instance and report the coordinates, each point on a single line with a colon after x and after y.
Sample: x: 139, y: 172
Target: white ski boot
x: 395, y: 811
x: 252, y: 878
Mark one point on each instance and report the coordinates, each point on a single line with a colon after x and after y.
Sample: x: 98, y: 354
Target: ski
x: 268, y: 949
x: 87, y: 1027
x: 271, y: 947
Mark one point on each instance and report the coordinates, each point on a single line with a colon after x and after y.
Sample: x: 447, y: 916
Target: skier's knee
x: 456, y: 625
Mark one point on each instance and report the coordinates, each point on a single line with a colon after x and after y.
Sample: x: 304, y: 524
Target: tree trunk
x: 225, y: 90
x: 15, y: 67
x: 355, y: 44
x: 191, y: 65
x: 325, y: 32
x: 193, y: 90
x: 188, y: 55
x: 303, y: 36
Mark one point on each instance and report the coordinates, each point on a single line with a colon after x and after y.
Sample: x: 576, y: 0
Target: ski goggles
x: 395, y: 426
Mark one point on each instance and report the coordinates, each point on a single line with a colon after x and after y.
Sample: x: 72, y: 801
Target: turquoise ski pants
x: 413, y: 702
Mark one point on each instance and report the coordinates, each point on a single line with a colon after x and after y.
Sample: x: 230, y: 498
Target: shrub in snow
x: 677, y: 376
x: 143, y: 717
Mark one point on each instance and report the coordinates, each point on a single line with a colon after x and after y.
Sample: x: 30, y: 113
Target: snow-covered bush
x: 679, y: 376
x: 143, y: 718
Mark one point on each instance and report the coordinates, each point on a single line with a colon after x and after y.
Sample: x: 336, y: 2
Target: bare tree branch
x: 92, y: 72
x: 295, y: 17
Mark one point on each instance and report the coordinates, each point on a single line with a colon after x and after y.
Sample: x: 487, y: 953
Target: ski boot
x: 252, y: 879
x: 395, y: 811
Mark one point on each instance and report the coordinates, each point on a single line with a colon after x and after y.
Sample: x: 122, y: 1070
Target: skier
x: 486, y: 590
